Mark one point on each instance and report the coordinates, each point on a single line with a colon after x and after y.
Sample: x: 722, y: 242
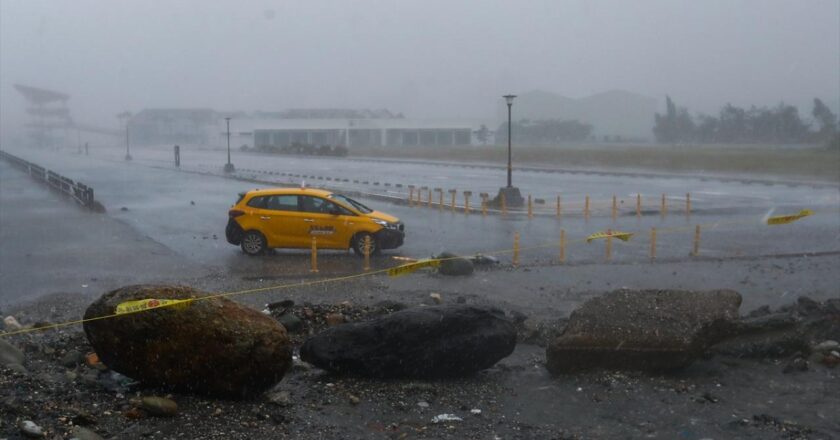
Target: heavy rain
x: 419, y: 220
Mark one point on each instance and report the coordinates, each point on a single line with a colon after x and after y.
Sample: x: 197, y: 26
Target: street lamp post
x: 510, y: 194
x: 126, y: 115
x: 509, y: 100
x: 228, y: 166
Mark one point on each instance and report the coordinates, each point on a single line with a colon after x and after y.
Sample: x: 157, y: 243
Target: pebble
x: 827, y: 346
x: 9, y: 354
x: 436, y: 298
x: 159, y: 406
x: 334, y: 319
x: 11, y: 324
x: 354, y: 400
x: 423, y: 404
x: 80, y: 433
x: 30, y: 429
x: 279, y: 398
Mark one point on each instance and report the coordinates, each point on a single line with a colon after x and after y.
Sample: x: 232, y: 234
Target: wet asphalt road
x: 181, y: 214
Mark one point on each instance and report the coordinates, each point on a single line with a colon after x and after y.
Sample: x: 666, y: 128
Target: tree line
x: 542, y: 132
x: 781, y: 124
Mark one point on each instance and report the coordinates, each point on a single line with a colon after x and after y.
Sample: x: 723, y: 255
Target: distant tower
x: 49, y: 113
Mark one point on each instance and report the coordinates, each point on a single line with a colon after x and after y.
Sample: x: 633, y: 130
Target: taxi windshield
x: 347, y: 200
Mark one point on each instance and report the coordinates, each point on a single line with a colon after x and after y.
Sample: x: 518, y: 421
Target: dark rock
x: 642, y: 330
x: 436, y: 341
x: 292, y: 323
x: 9, y: 354
x: 454, y: 265
x: 80, y: 433
x: 159, y: 406
x: 212, y: 346
x: 798, y: 364
x: 72, y: 358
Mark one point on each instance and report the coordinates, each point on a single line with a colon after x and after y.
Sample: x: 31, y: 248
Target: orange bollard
x: 410, y: 195
x: 366, y: 251
x: 452, y: 192
x: 586, y: 207
x: 484, y: 197
x: 314, y: 255
x: 696, y: 251
x: 516, y: 249
x: 688, y: 204
x: 530, y: 208
x: 638, y: 205
x: 467, y: 195
x: 440, y: 198
x: 429, y: 201
x: 663, y: 210
x: 652, y: 243
x: 562, y: 246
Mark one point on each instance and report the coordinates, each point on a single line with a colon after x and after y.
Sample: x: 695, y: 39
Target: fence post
x: 484, y: 204
x: 562, y: 246
x: 366, y: 251
x: 638, y: 205
x: 663, y: 210
x: 530, y: 208
x: 314, y: 255
x: 586, y: 207
x: 696, y: 250
x: 688, y: 204
x: 410, y: 195
x: 467, y: 195
x: 516, y: 249
x: 653, y: 243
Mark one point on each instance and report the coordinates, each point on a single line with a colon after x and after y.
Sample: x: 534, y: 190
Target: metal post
x: 516, y: 249
x: 467, y: 195
x: 314, y: 255
x: 638, y: 205
x: 559, y: 211
x: 652, y: 243
x: 429, y: 202
x: 586, y: 207
x: 484, y: 204
x: 509, y: 167
x: 696, y: 250
x: 452, y: 203
x: 530, y: 208
x: 366, y: 251
x: 562, y: 246
x: 688, y: 204
x: 614, y: 207
x: 663, y: 210
x: 410, y: 195
x: 229, y: 166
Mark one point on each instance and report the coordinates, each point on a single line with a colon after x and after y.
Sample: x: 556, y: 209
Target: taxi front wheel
x: 359, y: 244
x: 253, y: 243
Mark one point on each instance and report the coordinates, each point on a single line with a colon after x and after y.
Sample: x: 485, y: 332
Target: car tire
x: 359, y: 244
x: 253, y: 243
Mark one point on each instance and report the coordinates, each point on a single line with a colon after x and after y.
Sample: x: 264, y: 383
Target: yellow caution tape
x: 412, y: 267
x: 785, y: 219
x: 623, y: 236
x: 147, y: 304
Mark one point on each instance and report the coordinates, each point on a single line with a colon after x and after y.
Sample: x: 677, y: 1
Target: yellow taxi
x: 289, y: 217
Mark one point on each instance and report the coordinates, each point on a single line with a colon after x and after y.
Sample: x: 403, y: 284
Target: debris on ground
x: 454, y: 265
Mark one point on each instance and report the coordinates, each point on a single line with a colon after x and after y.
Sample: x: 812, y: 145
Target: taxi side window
x: 257, y: 202
x: 282, y: 203
x: 320, y: 206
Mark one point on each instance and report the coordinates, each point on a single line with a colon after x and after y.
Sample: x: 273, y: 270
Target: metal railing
x: 79, y: 192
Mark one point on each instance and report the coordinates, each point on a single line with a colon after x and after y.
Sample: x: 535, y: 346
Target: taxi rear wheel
x: 359, y: 244
x: 253, y: 243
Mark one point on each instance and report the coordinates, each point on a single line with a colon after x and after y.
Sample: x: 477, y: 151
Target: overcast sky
x: 424, y: 58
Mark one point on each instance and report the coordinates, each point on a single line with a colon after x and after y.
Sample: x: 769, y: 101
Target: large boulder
x: 425, y: 342
x: 642, y: 330
x: 213, y: 346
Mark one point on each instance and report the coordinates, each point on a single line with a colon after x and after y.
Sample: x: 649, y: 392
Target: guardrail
x: 77, y: 191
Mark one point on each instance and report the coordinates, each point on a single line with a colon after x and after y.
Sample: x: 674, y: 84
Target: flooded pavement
x: 162, y: 237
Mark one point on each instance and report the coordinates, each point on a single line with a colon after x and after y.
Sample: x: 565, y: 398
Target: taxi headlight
x: 385, y: 224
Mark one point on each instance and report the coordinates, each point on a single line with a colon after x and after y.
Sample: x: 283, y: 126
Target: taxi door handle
x: 308, y: 220
x: 262, y: 217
